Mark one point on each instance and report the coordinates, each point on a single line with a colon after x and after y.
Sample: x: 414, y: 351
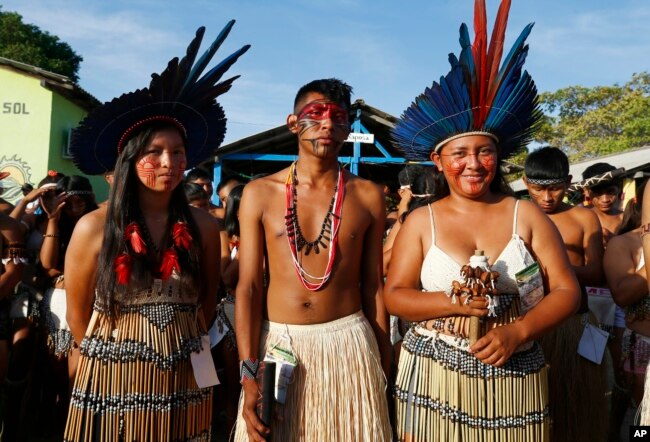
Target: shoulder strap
x: 514, y: 220
x: 433, y: 230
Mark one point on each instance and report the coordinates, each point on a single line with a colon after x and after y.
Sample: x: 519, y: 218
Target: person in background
x: 202, y: 178
x: 227, y: 350
x: 624, y: 266
x: 573, y: 379
x: 71, y: 199
x: 197, y: 196
x: 12, y: 264
x: 225, y: 186
x: 645, y: 243
x: 604, y: 198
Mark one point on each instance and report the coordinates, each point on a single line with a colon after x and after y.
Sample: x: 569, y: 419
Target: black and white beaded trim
x: 130, y: 351
x: 464, y: 418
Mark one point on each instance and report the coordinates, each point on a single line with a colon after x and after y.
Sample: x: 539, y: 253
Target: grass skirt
x: 443, y: 393
x: 577, y: 386
x: 338, y: 390
x: 135, y: 381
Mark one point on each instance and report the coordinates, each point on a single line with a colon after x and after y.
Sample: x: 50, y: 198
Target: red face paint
x: 146, y: 169
x: 323, y: 110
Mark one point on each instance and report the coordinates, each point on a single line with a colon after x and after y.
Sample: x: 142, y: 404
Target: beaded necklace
x: 330, y: 227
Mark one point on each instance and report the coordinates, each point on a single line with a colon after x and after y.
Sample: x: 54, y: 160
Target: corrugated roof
x: 632, y: 160
x: 55, y: 82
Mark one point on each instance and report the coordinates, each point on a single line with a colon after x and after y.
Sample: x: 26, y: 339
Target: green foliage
x: 29, y: 44
x: 591, y: 122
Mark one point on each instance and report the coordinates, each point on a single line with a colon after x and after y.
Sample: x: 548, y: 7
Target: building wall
x: 34, y: 128
x: 65, y: 116
x: 25, y: 109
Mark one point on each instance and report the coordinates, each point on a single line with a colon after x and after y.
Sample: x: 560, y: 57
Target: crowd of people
x: 466, y: 314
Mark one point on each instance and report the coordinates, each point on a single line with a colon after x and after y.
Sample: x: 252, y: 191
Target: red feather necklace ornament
x: 136, y: 238
x: 133, y: 236
x: 181, y: 236
x: 169, y: 264
x: 122, y: 267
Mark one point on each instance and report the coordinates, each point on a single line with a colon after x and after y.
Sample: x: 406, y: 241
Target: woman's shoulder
x: 627, y: 242
x: 92, y: 221
x: 419, y: 217
x: 204, y: 220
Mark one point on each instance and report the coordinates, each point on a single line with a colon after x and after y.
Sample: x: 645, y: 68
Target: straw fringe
x: 579, y: 408
x: 121, y: 394
x: 435, y: 399
x: 338, y: 391
x: 644, y: 409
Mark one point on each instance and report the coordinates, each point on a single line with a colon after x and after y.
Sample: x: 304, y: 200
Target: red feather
x: 181, y: 236
x: 479, y: 50
x: 133, y: 236
x: 169, y: 264
x: 122, y: 267
x: 496, y: 49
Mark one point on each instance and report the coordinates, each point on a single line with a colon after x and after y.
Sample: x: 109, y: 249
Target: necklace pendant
x: 307, y: 249
x: 316, y: 249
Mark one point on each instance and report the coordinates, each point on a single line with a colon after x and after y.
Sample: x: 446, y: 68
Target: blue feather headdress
x: 179, y: 96
x: 476, y: 96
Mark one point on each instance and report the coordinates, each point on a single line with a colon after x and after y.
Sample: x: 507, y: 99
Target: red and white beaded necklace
x: 330, y: 226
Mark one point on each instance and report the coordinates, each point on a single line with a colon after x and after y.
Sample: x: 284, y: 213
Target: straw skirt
x: 443, y: 393
x: 338, y: 390
x: 135, y: 380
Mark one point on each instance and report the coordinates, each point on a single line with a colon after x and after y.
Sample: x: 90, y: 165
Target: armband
x: 248, y: 370
x: 645, y: 229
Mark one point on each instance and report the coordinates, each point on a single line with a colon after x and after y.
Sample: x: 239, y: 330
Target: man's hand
x: 256, y: 430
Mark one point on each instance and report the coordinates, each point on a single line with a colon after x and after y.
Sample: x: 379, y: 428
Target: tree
x: 591, y: 122
x: 29, y: 44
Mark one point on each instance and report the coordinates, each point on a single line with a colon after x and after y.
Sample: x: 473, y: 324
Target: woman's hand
x: 477, y: 306
x: 36, y: 193
x: 496, y: 347
x: 53, y: 204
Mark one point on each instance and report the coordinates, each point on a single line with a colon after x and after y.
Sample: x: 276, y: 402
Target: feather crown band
x: 182, y: 96
x: 477, y: 96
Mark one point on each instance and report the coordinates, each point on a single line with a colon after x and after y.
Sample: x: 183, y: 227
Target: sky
x: 389, y: 51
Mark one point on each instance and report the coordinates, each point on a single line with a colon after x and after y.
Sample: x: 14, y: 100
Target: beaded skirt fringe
x: 444, y: 393
x: 577, y: 386
x: 135, y: 381
x: 338, y: 389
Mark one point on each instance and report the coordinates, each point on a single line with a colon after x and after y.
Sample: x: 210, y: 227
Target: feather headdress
x: 478, y: 95
x: 180, y: 95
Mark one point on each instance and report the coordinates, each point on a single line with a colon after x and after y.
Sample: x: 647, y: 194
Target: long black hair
x: 124, y: 208
x: 632, y: 212
x: 71, y: 184
x: 232, y: 207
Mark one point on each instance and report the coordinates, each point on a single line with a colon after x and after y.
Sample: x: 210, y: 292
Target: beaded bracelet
x: 248, y: 370
x: 51, y: 235
x: 645, y: 229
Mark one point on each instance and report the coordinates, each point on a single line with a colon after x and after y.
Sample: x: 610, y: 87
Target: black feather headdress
x: 479, y: 95
x: 179, y: 95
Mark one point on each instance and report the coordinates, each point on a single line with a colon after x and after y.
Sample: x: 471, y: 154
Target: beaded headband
x: 546, y: 182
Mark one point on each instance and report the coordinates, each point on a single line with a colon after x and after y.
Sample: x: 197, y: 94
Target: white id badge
x: 592, y: 343
x: 285, y: 362
x: 203, y: 365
